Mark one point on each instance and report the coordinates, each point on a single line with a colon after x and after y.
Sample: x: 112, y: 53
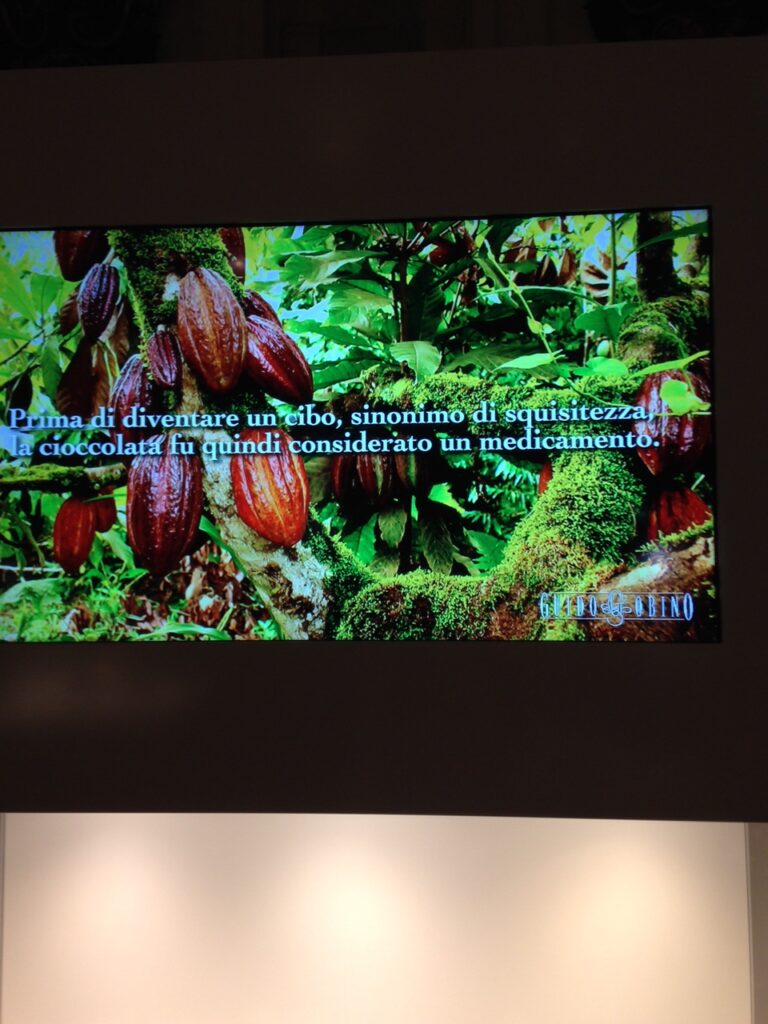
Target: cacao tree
x: 342, y: 324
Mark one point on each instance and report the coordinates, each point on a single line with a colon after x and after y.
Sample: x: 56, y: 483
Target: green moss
x: 418, y: 606
x: 347, y: 575
x: 677, y: 541
x: 149, y: 255
x: 460, y: 392
x: 669, y: 328
x: 539, y: 557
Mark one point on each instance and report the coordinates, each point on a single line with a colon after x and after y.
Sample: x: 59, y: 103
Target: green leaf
x: 438, y: 546
x: 680, y: 398
x: 426, y: 302
x: 386, y: 563
x: 484, y: 357
x: 671, y: 364
x: 690, y: 229
x: 500, y: 232
x: 602, y: 366
x: 45, y: 290
x: 50, y: 366
x: 14, y: 292
x: 185, y: 629
x: 441, y: 493
x: 490, y: 548
x: 422, y: 357
x: 343, y: 370
x: 303, y: 269
x: 319, y: 475
x: 392, y: 523
x: 114, y: 541
x: 605, y: 320
x: 363, y: 541
x: 530, y: 362
x: 34, y: 589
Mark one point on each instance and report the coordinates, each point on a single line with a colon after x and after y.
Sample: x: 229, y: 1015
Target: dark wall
x: 611, y: 730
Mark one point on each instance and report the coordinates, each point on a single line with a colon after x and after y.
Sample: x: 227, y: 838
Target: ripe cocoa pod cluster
x: 73, y: 531
x: 675, y: 509
x: 271, y: 491
x: 678, y: 442
x: 163, y: 507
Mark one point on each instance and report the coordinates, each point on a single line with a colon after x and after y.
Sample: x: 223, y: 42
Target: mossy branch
x: 57, y: 479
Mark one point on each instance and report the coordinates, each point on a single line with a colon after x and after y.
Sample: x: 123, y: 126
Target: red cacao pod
x: 97, y: 298
x: 212, y: 331
x: 134, y: 386
x: 77, y: 251
x: 105, y: 511
x: 73, y: 531
x: 163, y: 507
x: 376, y: 473
x: 677, y: 441
x: 271, y: 491
x: 675, y: 510
x: 234, y: 243
x: 414, y: 472
x: 545, y: 475
x: 274, y: 361
x: 256, y: 305
x: 164, y: 359
x: 343, y: 477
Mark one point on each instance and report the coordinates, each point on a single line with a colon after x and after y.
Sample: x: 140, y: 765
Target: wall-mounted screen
x: 485, y: 428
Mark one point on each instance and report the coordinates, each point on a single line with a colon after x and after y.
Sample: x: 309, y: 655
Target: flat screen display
x: 483, y: 428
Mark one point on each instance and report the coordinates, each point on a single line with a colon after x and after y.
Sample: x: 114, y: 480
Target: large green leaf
x: 50, y: 366
x: 422, y: 357
x: 302, y: 268
x: 13, y: 291
x: 392, y: 523
x: 438, y: 546
x: 690, y: 229
x: 363, y: 540
x: 343, y: 370
x: 426, y: 302
x: 605, y: 320
x: 500, y: 232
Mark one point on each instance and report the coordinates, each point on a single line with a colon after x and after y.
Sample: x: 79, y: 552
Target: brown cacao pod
x: 163, y: 507
x: 271, y: 491
x: 274, y: 361
x: 414, y: 472
x: 677, y: 441
x: 77, y: 251
x: 69, y: 318
x: 675, y: 510
x: 545, y: 475
x: 212, y: 331
x: 256, y: 305
x: 234, y: 243
x: 164, y: 359
x: 105, y: 511
x: 97, y: 298
x: 73, y: 531
x: 343, y: 477
x: 134, y: 387
x: 376, y: 473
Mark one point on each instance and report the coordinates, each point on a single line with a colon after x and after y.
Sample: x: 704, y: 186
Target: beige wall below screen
x: 293, y: 919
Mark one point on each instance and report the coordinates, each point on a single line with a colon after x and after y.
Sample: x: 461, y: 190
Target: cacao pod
x: 97, y: 298
x: 545, y: 475
x: 256, y: 305
x: 678, y: 441
x: 105, y: 511
x: 343, y: 477
x: 413, y: 472
x: 163, y: 507
x: 164, y: 359
x: 675, y: 510
x: 134, y: 387
x: 274, y: 361
x: 376, y: 473
x: 77, y: 251
x: 68, y: 315
x: 234, y: 243
x: 73, y: 531
x: 271, y: 491
x: 211, y: 327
